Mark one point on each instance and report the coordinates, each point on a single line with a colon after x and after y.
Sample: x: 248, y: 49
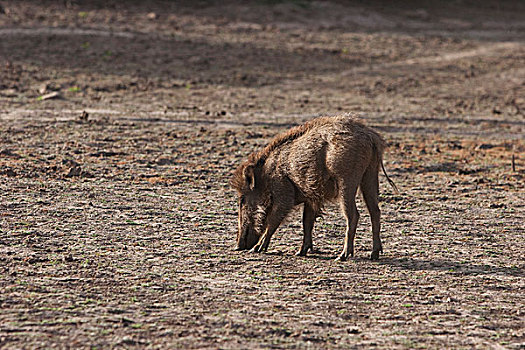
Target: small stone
x: 84, y: 116
x: 43, y: 89
x: 485, y: 146
x: 10, y: 172
x: 74, y: 171
x: 49, y: 96
x: 354, y: 331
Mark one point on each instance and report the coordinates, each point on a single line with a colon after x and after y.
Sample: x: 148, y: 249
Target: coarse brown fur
x: 258, y: 158
x: 325, y: 159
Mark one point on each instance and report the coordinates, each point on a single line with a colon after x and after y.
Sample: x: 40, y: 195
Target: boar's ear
x: 249, y: 176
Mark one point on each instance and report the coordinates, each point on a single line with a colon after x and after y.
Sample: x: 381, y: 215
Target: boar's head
x: 254, y: 203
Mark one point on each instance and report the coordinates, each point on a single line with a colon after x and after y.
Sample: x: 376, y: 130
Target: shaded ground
x: 117, y: 221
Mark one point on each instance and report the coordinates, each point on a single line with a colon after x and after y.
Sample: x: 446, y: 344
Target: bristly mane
x: 257, y: 159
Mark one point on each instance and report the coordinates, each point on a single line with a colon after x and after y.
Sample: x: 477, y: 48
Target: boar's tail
x: 379, y: 144
x: 388, y: 178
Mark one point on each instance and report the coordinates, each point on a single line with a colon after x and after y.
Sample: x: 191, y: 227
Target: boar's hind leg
x: 349, y: 209
x: 308, y: 225
x: 370, y: 190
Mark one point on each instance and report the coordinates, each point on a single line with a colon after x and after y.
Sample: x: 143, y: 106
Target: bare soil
x: 120, y: 125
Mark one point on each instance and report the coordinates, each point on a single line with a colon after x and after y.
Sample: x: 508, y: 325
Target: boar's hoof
x: 341, y: 257
x: 256, y: 249
x: 301, y: 253
x: 345, y: 255
x: 304, y: 250
x: 374, y: 255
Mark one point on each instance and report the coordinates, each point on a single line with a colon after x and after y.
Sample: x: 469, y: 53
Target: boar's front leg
x: 349, y: 209
x: 264, y: 241
x: 280, y: 208
x: 274, y: 220
x: 308, y: 225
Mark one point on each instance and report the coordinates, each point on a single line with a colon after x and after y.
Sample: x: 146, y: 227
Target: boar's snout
x: 241, y: 241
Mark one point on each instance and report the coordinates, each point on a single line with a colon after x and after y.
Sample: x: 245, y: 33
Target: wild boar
x: 324, y: 160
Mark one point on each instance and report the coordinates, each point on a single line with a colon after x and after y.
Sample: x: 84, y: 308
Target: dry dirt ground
x: 117, y: 220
